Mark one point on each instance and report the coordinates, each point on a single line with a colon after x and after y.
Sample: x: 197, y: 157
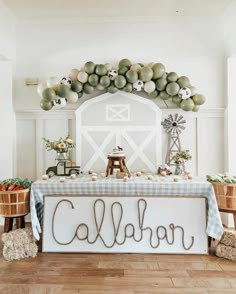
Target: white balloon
x: 135, y: 67
x: 52, y: 81
x: 72, y: 97
x: 193, y: 91
x: 108, y: 66
x: 41, y: 87
x: 100, y: 87
x: 74, y: 74
x: 59, y: 102
x: 82, y: 77
x: 149, y: 87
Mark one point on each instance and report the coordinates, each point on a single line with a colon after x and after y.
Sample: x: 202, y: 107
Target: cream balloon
x: 74, y: 74
x: 72, y: 97
x: 149, y: 87
x: 135, y: 67
x: 52, y: 81
x: 108, y: 66
x: 41, y: 87
x: 82, y: 77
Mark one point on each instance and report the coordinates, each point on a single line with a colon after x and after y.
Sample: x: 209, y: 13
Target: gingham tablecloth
x: 136, y: 186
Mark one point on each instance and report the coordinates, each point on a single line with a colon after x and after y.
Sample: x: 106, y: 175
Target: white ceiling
x: 30, y: 10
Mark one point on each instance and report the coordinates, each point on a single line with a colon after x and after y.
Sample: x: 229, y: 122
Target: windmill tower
x: 173, y: 125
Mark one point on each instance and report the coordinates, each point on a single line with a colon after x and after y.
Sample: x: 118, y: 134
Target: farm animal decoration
x: 150, y: 80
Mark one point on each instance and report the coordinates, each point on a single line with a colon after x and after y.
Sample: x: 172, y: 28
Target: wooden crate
x: 225, y: 195
x: 14, y: 203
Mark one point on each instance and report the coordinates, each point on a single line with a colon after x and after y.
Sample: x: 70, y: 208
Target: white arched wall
x: 123, y: 119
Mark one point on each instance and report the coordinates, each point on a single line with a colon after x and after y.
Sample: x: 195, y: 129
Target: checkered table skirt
x: 136, y: 186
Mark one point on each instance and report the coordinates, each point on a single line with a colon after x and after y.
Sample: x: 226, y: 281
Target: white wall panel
x: 25, y: 149
x: 203, y: 136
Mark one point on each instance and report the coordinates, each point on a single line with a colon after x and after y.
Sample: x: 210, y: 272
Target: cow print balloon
x: 66, y: 81
x: 138, y: 86
x: 184, y: 93
x: 112, y: 74
x: 59, y: 103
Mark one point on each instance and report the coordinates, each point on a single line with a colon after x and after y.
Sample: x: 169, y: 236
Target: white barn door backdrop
x: 120, y: 119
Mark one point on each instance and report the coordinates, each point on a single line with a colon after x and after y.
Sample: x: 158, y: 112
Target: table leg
x: 8, y: 224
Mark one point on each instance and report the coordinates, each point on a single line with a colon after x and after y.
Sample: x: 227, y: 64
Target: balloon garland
x: 151, y: 79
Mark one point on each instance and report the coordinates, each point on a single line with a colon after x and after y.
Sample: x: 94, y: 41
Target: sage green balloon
x: 112, y: 89
x: 128, y: 88
x: 164, y: 76
x: 46, y: 105
x: 62, y: 91
x: 132, y: 76
x: 88, y: 89
x: 172, y: 77
x: 76, y: 86
x: 187, y: 105
x: 93, y: 80
x: 105, y: 81
x: 124, y: 63
x: 154, y: 94
x: 49, y: 94
x: 199, y: 99
x: 145, y: 74
x: 172, y: 89
x: 176, y: 99
x: 158, y: 70
x: 101, y: 70
x: 183, y: 82
x: 196, y: 108
x: 161, y: 84
x: 89, y: 67
x: 120, y: 81
x: 163, y: 95
x: 80, y: 94
x: 123, y: 70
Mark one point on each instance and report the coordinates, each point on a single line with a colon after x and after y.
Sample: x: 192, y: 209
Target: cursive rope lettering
x: 160, y: 231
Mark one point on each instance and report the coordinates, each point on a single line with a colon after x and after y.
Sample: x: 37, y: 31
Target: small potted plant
x: 179, y: 158
x: 61, y: 146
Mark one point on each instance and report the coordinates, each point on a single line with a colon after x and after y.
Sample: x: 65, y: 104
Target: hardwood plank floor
x: 53, y: 273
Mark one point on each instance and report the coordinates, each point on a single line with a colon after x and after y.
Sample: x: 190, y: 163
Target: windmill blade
x: 180, y: 118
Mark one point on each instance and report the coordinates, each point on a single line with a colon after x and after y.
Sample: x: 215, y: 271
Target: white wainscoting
x: 203, y: 136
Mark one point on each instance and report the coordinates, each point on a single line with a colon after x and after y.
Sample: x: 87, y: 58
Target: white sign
x: 125, y: 224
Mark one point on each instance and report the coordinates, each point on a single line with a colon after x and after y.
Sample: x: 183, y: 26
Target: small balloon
x: 52, y: 81
x: 82, y: 77
x: 59, y: 103
x: 108, y: 66
x: 135, y: 67
x: 72, y: 97
x: 73, y: 74
x: 49, y: 94
x: 41, y: 87
x: 149, y: 87
x: 46, y: 105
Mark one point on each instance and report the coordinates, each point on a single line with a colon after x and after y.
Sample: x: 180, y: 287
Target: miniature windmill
x: 173, y: 126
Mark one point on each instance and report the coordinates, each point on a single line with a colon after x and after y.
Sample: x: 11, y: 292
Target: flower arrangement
x: 180, y: 157
x: 61, y: 145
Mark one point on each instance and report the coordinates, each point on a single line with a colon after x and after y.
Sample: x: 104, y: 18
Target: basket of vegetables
x: 225, y: 190
x: 14, y: 197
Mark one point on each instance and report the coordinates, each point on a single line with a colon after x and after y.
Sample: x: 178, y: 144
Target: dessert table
x: 139, y: 192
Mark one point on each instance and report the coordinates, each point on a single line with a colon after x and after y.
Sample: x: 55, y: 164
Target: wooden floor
x: 117, y: 273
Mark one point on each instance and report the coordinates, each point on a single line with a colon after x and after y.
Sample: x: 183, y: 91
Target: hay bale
x: 229, y: 238
x: 227, y: 252
x: 19, y: 244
